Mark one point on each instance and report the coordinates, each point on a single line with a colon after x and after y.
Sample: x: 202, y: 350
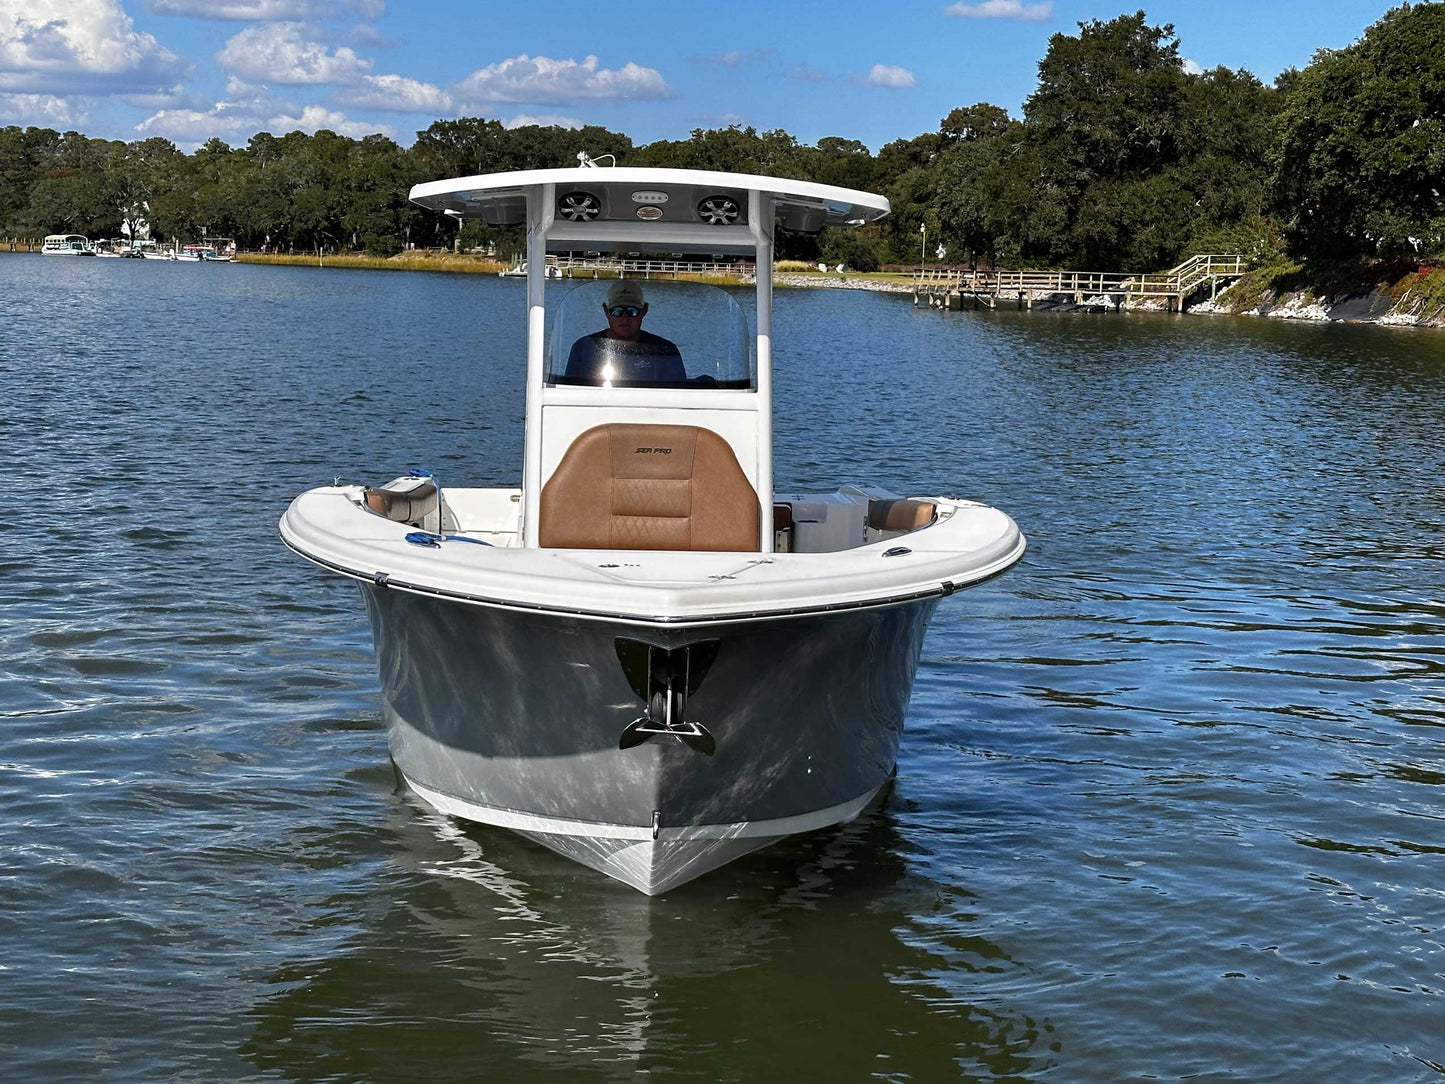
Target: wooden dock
x: 989, y: 289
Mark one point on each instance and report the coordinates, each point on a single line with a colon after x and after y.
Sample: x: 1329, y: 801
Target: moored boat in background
x: 67, y: 244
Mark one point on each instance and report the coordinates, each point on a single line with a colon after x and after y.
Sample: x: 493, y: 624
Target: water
x: 1171, y: 797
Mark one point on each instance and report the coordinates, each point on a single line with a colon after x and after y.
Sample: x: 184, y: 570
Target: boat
x: 112, y: 248
x: 67, y: 244
x: 218, y: 250
x: 630, y: 657
x: 518, y: 270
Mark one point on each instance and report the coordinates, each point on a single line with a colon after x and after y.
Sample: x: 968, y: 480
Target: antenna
x: 588, y: 162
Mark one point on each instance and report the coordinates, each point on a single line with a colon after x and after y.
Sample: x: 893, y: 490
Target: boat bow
x: 969, y: 543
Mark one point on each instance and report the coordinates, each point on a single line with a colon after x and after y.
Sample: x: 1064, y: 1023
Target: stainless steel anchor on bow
x: 664, y: 678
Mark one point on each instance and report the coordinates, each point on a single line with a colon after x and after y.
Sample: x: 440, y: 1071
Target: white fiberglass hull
x: 631, y: 854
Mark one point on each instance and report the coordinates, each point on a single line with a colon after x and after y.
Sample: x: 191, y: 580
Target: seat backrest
x: 900, y: 515
x: 648, y: 487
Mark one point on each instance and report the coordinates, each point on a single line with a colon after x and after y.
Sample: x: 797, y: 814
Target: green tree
x: 73, y: 193
x: 730, y: 150
x: 25, y: 155
x: 377, y: 215
x: 846, y: 163
x: 965, y: 191
x: 975, y: 122
x: 901, y: 155
x: 1122, y: 161
x: 1359, y: 162
x: 855, y: 249
x: 140, y: 172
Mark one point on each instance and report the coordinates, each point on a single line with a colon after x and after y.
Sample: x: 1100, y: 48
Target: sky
x: 192, y: 69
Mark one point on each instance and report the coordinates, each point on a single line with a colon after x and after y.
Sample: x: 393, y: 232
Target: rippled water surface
x: 1170, y: 800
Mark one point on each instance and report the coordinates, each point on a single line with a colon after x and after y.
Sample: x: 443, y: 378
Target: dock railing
x: 1176, y: 284
x: 631, y: 267
x: 1183, y: 280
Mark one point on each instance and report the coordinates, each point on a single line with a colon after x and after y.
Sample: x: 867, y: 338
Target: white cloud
x: 370, y: 37
x: 159, y: 99
x: 230, y: 120
x: 397, y: 94
x: 244, y: 111
x: 285, y: 53
x: 315, y: 117
x: 248, y: 10
x: 1192, y: 67
x: 544, y: 80
x: 1003, y: 9
x: 43, y: 110
x: 195, y: 125
x: 886, y: 75
x: 70, y: 46
x: 268, y: 10
x: 239, y: 88
x: 545, y: 120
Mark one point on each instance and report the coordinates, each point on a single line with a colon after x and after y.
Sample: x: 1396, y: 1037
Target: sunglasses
x: 626, y: 310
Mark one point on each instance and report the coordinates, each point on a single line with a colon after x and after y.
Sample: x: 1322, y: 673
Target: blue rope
x: 434, y: 541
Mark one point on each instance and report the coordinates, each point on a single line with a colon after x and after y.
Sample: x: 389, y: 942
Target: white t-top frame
x: 557, y: 415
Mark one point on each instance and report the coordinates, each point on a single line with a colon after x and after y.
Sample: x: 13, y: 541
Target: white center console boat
x: 644, y: 657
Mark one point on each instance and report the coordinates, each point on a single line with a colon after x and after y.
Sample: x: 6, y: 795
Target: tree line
x: 1122, y: 159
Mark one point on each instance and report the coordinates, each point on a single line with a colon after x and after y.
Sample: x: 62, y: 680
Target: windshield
x: 636, y: 333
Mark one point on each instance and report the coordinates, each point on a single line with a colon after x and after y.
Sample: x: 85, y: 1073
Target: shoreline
x: 1378, y: 295
x: 1414, y: 300
x: 452, y: 263
x: 1391, y: 295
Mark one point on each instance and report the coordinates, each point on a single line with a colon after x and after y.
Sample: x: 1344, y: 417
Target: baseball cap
x: 625, y: 292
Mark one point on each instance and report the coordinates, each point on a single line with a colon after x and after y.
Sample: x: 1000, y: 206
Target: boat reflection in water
x: 501, y: 961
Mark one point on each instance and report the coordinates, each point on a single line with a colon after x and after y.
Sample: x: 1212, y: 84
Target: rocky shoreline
x: 1413, y: 305
x: 839, y: 282
x: 1368, y: 306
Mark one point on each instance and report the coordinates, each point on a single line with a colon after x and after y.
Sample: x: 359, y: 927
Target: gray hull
x: 514, y: 718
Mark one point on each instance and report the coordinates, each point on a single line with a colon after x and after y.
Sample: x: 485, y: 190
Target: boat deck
x: 970, y: 542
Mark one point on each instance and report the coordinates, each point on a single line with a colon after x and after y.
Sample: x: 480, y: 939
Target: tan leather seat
x: 649, y: 487
x: 900, y: 515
